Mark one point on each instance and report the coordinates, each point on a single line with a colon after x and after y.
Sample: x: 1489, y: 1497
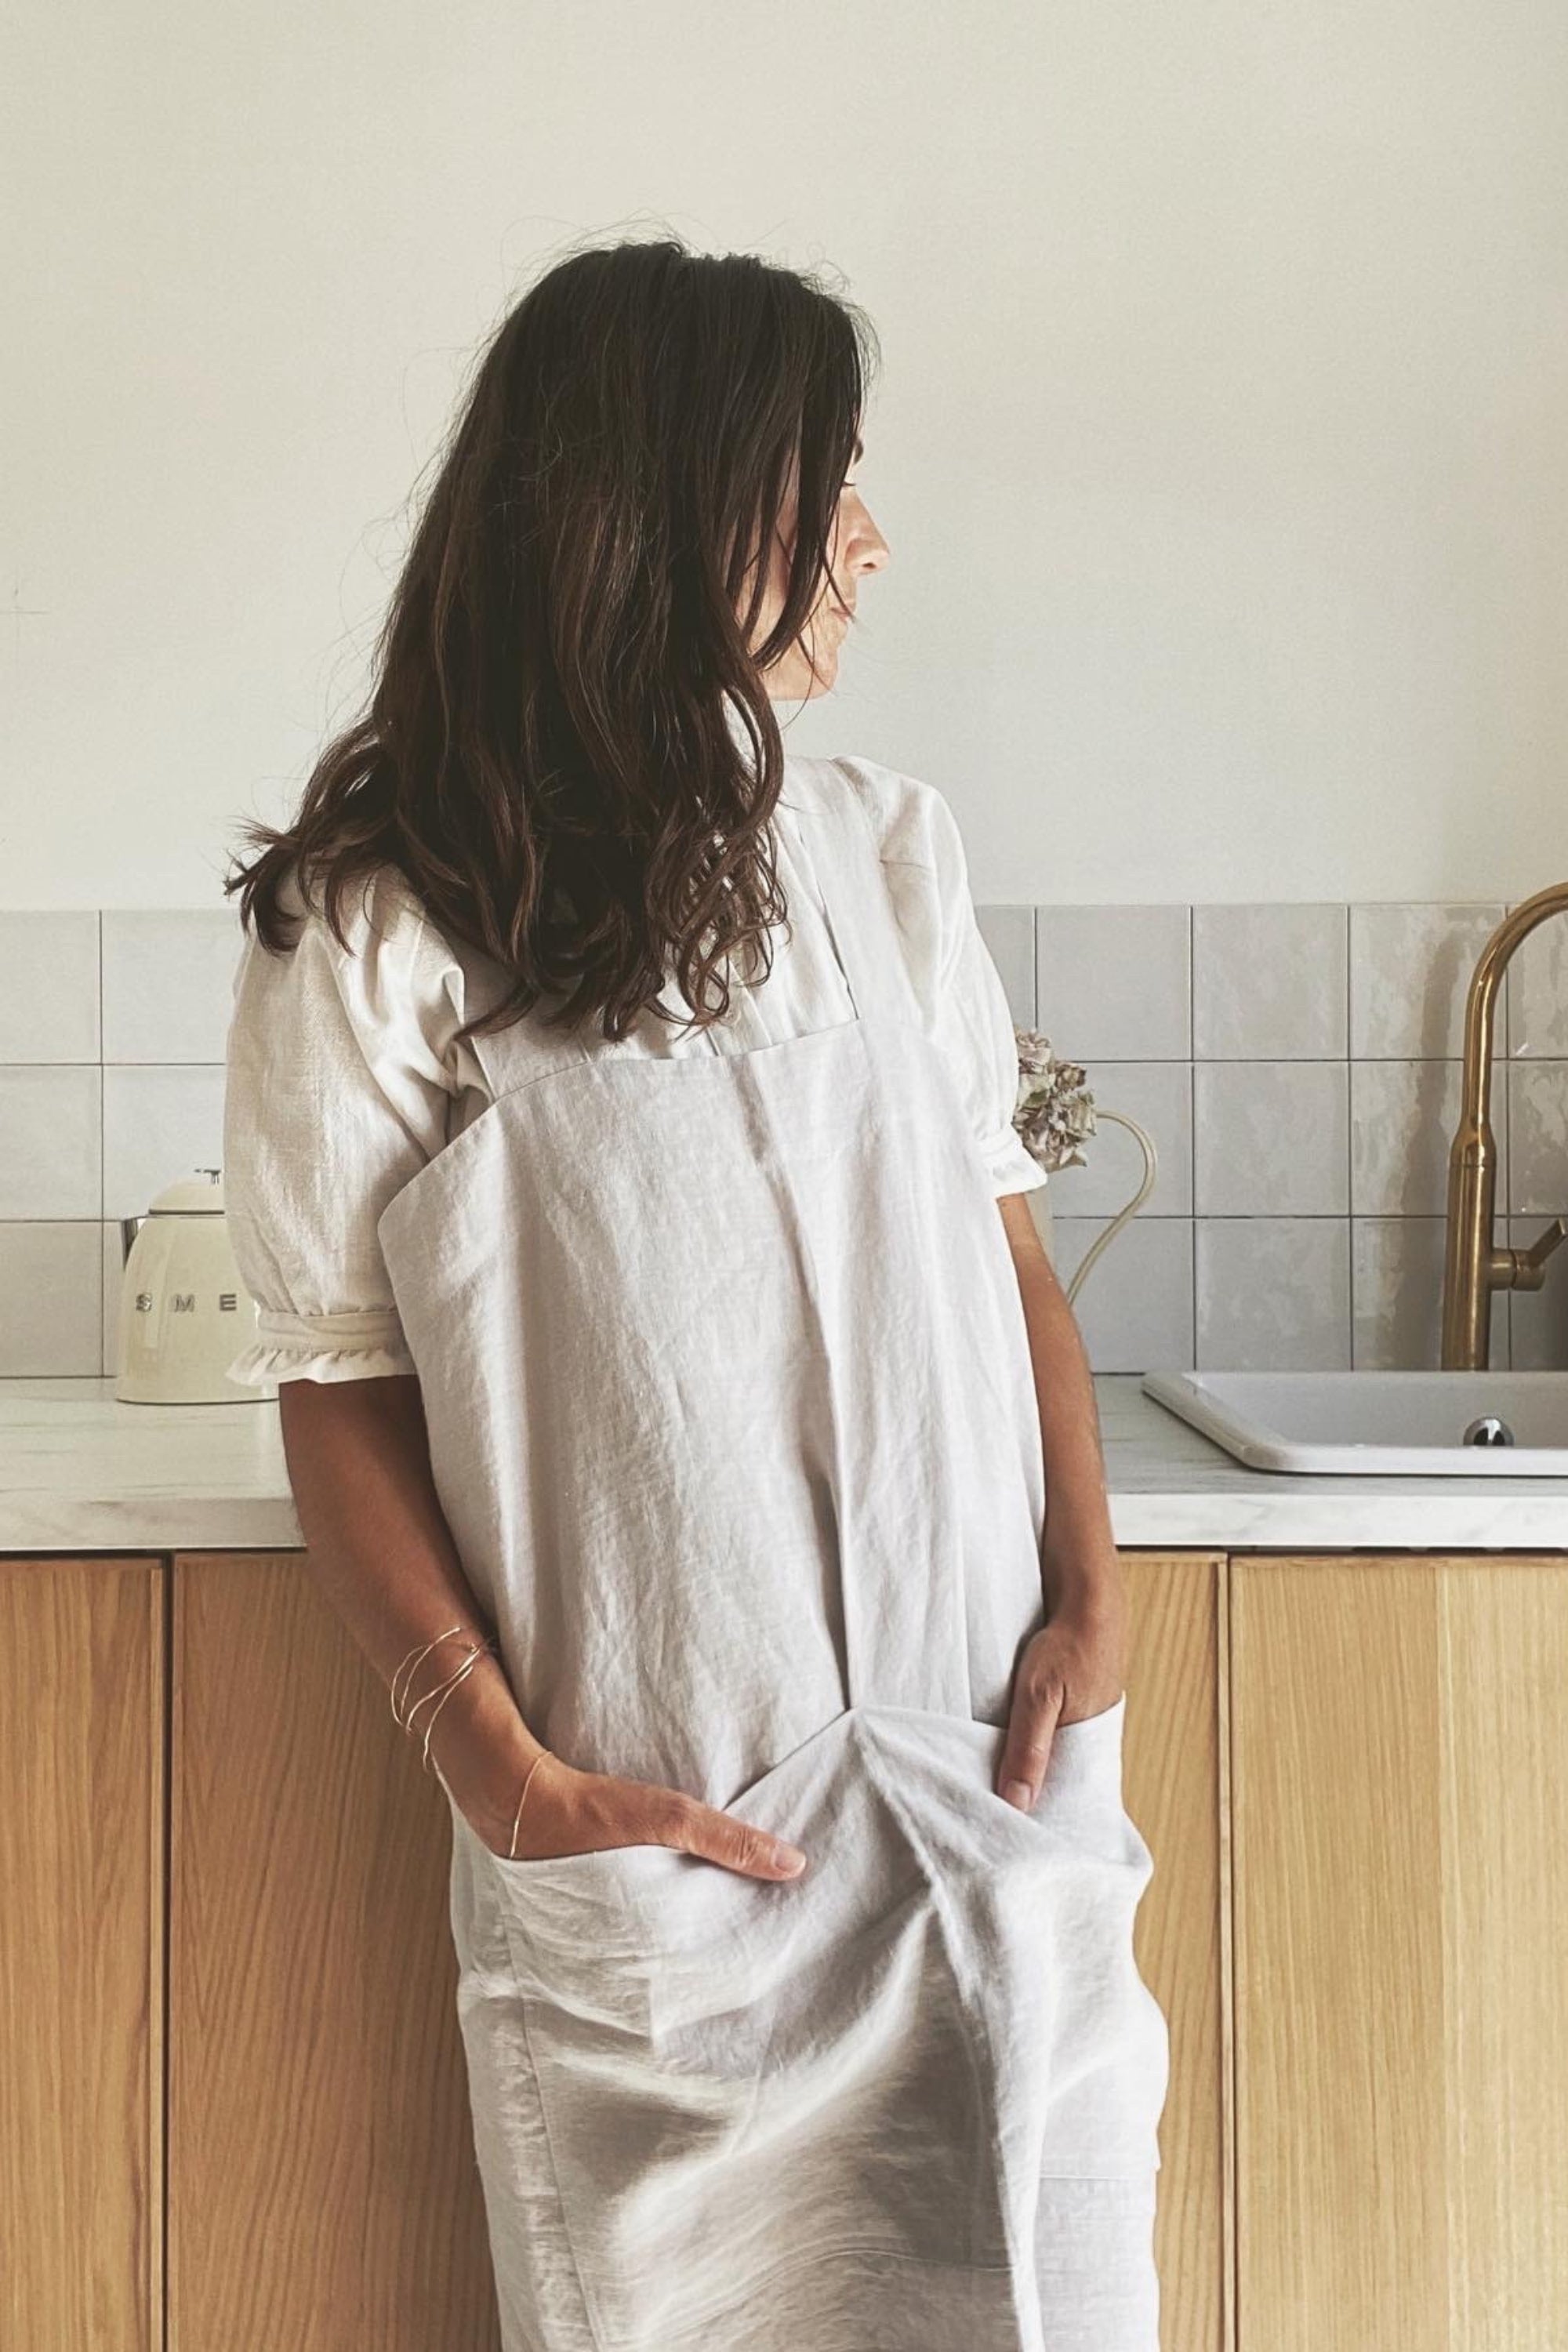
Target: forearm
x: 380, y: 1549
x: 1079, y: 1565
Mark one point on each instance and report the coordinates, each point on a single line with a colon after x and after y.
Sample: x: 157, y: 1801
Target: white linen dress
x: 731, y: 1414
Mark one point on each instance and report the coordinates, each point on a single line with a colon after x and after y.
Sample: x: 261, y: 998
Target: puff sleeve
x: 336, y: 1094
x: 955, y: 974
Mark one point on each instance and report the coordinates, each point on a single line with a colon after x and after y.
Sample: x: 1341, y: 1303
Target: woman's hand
x: 483, y: 1751
x: 1073, y: 1667
x: 569, y: 1812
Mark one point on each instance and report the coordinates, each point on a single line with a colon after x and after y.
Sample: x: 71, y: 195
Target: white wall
x: 1220, y: 441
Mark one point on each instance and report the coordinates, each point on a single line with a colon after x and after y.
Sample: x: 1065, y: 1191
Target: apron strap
x: 854, y: 891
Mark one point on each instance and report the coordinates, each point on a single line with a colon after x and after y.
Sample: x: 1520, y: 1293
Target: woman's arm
x: 380, y: 1549
x: 359, y: 1462
x: 1075, y: 1665
x: 1078, y: 1557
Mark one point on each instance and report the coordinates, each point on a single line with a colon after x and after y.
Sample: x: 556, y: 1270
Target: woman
x: 671, y: 1379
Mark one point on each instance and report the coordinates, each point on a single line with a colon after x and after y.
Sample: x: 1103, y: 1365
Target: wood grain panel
x: 1172, y: 1788
x: 81, y: 1863
x: 1400, y: 1802
x: 323, y: 2193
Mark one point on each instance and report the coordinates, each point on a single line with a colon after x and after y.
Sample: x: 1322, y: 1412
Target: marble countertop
x: 80, y: 1472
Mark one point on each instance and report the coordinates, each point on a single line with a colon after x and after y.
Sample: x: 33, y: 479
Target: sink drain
x: 1488, y: 1431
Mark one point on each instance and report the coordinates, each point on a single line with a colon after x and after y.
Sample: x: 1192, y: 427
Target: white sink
x: 1431, y: 1424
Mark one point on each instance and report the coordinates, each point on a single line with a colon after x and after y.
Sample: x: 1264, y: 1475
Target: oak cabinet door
x: 1399, y: 1777
x: 1170, y: 1788
x: 323, y: 2195
x: 81, y: 1864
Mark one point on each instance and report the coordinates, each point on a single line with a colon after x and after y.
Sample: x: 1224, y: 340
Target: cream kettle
x: 184, y: 1313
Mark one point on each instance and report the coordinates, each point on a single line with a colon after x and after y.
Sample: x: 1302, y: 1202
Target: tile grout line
x: 1350, y: 1151
x: 103, y: 1367
x: 1191, y: 1134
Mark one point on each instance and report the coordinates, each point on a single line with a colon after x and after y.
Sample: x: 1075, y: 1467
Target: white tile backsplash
x: 168, y: 983
x: 1159, y: 1095
x: 1135, y: 1310
x: 1268, y: 983
x: 1538, y: 1132
x: 160, y: 1124
x: 51, y: 1284
x: 51, y: 1143
x: 1539, y: 1317
x: 1297, y: 1066
x: 1270, y: 1139
x: 1403, y: 1119
x: 1396, y: 1282
x: 1114, y: 983
x: 1273, y: 1293
x: 1536, y: 985
x: 49, y: 986
x: 1410, y: 970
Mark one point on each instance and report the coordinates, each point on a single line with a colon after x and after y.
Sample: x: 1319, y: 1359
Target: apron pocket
x: 779, y: 2067
x: 1080, y: 1796
x: 1039, y: 1908
x: 592, y: 1933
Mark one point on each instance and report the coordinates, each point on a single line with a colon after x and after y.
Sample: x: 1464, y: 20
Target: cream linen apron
x: 732, y: 1416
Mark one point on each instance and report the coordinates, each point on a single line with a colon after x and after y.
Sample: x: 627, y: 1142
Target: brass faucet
x: 1473, y: 1267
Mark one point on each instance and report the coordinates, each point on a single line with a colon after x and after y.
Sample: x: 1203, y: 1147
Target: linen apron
x: 731, y: 1414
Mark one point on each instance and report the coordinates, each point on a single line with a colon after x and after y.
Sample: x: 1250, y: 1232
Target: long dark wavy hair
x: 552, y: 754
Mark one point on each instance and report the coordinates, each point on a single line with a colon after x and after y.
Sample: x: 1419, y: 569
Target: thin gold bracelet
x: 415, y: 1655
x: 480, y: 1650
x: 527, y: 1778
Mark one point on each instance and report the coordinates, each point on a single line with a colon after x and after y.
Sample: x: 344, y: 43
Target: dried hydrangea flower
x: 1055, y: 1111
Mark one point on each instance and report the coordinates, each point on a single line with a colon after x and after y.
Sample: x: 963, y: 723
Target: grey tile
x: 51, y: 1141
x: 50, y: 1282
x: 168, y: 982
x: 1272, y: 1294
x: 1536, y: 985
x: 1539, y: 1319
x: 1538, y: 1133
x: 1159, y: 1095
x: 159, y: 1126
x: 1135, y: 1309
x: 1009, y: 933
x: 49, y: 996
x: 1270, y: 983
x: 1410, y: 972
x: 112, y: 1266
x: 1397, y: 1280
x: 1114, y: 983
x: 1270, y: 1139
x: 1404, y: 1119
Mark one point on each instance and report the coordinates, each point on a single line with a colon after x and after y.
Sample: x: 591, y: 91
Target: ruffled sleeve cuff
x: 1013, y: 1167
x: 363, y: 1346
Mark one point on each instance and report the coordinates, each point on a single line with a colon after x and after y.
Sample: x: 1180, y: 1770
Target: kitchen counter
x: 80, y: 1472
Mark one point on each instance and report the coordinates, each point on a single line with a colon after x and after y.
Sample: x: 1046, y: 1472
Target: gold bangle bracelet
x: 415, y: 1655
x: 447, y: 1689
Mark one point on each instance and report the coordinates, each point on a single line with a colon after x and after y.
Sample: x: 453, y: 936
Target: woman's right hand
x: 572, y: 1812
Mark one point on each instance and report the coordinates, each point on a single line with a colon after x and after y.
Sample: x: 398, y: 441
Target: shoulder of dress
x: 376, y: 910
x: 386, y: 927
x: 910, y: 819
x: 399, y: 979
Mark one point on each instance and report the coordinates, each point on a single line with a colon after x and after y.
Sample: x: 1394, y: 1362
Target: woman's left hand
x: 1074, y: 1666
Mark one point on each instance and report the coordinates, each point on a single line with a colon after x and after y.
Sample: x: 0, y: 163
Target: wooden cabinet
x: 1172, y: 1784
x: 226, y: 1883
x: 323, y: 2194
x: 81, y: 1954
x: 1399, y: 1832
